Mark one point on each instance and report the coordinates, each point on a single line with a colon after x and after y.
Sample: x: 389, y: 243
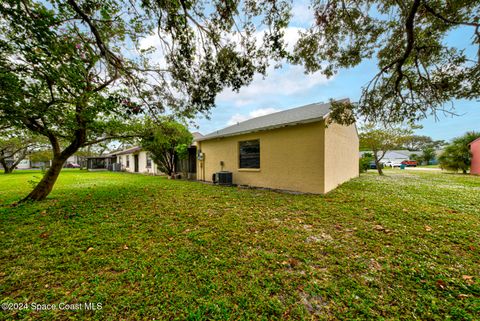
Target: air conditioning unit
x: 116, y: 167
x: 223, y: 178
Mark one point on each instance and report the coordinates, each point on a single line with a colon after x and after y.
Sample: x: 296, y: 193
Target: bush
x: 456, y: 156
x: 364, y: 163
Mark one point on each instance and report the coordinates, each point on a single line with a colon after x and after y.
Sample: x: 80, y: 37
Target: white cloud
x: 158, y: 55
x: 302, y: 14
x: 292, y: 34
x: 238, y: 118
x: 287, y: 81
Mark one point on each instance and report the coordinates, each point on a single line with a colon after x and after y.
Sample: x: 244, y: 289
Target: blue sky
x: 289, y: 87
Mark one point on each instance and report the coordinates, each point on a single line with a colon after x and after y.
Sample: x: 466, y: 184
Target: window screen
x: 149, y: 161
x: 249, y: 154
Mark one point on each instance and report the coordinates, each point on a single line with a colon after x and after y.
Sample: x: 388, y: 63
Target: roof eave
x: 306, y: 121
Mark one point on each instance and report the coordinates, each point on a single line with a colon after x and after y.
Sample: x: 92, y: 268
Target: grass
x: 429, y: 166
x: 400, y: 247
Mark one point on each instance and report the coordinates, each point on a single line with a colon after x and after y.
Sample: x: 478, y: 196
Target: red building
x: 475, y: 149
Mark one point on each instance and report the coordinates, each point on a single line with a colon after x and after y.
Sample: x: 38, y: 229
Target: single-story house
x: 27, y: 163
x: 136, y: 160
x: 294, y: 150
x: 132, y: 159
x: 475, y: 150
x: 23, y: 164
x: 394, y: 156
x: 101, y: 162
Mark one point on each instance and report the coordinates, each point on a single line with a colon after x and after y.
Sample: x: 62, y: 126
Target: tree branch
x: 409, y: 26
x: 93, y: 142
x: 439, y: 16
x: 117, y: 63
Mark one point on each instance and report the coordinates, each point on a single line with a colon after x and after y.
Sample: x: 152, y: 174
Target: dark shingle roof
x: 289, y: 117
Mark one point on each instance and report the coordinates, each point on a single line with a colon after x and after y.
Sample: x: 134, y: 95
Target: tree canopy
x: 84, y: 72
x: 379, y: 140
x: 457, y: 156
x: 421, y: 142
x: 78, y: 71
x: 164, y: 142
x: 419, y: 71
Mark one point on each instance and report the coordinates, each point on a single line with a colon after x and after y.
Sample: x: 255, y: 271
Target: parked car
x: 392, y: 164
x: 410, y: 163
x: 72, y: 165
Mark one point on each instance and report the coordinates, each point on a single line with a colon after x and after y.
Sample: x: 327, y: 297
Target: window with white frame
x: 149, y: 161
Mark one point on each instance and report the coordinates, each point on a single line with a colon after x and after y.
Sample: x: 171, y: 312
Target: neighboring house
x: 23, y: 164
x: 394, y: 156
x: 136, y: 160
x: 475, y: 150
x: 28, y: 164
x: 132, y: 159
x: 74, y: 159
x: 289, y: 150
x: 102, y: 162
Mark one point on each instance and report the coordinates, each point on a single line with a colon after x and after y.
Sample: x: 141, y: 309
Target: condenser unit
x: 223, y: 178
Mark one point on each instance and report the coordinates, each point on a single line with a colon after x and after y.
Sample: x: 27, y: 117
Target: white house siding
x: 74, y: 159
x: 24, y: 164
x: 394, y: 156
x: 142, y: 163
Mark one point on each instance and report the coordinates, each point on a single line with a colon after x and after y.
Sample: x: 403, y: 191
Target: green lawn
x: 401, y: 247
x: 429, y: 166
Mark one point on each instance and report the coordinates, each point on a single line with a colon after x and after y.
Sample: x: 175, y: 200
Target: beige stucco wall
x: 311, y: 158
x: 291, y: 158
x: 341, y: 155
x: 142, y: 163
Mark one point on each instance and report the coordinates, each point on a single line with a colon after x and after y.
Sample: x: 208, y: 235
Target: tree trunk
x: 377, y: 160
x: 379, y: 167
x: 45, y: 186
x: 7, y: 170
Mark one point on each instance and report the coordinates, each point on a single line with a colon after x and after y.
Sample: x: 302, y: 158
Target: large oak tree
x: 78, y: 71
x: 419, y: 71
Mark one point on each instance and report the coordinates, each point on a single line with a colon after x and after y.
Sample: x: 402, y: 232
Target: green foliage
x: 166, y: 141
x: 426, y: 145
x: 181, y: 151
x: 376, y: 248
x: 380, y: 140
x: 419, y: 143
x: 79, y: 71
x: 41, y: 156
x: 428, y: 155
x: 419, y: 71
x: 457, y: 156
x: 364, y: 162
